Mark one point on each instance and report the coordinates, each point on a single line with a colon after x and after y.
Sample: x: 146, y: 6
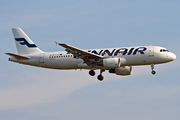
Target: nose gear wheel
x: 153, y: 72
x: 152, y: 68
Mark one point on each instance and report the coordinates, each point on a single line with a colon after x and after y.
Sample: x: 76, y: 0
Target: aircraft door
x: 151, y: 51
x: 41, y: 58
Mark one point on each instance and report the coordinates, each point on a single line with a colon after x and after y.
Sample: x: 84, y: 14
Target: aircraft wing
x: 80, y: 53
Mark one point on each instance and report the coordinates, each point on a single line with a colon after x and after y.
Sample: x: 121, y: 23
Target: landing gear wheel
x: 91, y: 72
x: 153, y: 72
x: 100, y: 77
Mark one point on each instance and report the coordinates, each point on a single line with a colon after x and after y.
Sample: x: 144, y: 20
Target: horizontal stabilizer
x: 20, y: 57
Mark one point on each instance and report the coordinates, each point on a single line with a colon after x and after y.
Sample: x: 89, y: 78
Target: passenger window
x: 161, y: 50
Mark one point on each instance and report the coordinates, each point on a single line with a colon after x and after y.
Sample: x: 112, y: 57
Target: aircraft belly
x: 62, y: 63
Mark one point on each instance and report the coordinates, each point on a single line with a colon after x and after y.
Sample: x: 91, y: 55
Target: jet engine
x: 110, y: 63
x: 126, y: 70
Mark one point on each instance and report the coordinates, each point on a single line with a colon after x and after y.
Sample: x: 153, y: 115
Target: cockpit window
x: 164, y: 50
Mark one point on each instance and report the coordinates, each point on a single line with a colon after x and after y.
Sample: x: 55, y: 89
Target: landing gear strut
x: 152, y: 67
x: 100, y: 77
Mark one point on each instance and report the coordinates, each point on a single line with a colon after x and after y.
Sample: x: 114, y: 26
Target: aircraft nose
x: 173, y: 56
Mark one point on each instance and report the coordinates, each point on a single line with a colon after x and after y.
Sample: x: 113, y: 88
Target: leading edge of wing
x: 83, y: 52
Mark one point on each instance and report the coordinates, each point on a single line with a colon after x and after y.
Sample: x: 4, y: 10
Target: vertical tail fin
x: 23, y: 43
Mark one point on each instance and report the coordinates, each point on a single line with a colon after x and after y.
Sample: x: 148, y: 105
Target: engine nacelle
x: 111, y: 62
x: 122, y: 70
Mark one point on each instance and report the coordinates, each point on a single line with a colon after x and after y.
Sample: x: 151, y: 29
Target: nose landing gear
x: 152, y: 67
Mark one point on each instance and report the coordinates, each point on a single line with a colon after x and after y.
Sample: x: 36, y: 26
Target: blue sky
x: 41, y: 94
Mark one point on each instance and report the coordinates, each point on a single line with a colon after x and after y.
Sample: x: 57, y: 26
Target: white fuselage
x: 116, y: 60
x: 130, y: 56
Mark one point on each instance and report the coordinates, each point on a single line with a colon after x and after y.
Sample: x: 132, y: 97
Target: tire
x: 100, y: 77
x: 153, y: 72
x: 91, y: 72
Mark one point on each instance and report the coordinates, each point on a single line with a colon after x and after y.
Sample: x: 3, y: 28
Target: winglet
x: 56, y: 43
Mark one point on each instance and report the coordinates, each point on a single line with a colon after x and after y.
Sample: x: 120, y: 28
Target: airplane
x: 116, y: 60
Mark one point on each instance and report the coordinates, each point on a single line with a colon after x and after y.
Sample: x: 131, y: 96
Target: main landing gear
x: 152, y: 68
x: 91, y: 72
x: 99, y: 77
